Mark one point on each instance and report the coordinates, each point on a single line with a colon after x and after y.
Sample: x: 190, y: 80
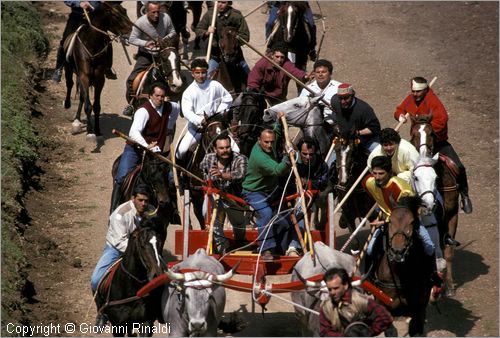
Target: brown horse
x: 422, y: 137
x: 404, y: 270
x: 350, y: 163
x: 164, y: 69
x: 230, y: 74
x: 88, y: 52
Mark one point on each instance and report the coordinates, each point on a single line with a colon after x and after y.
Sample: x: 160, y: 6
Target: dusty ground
x: 376, y: 46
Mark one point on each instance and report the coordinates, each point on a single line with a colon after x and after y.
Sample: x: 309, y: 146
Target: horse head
x: 349, y: 155
x: 290, y: 14
x: 169, y: 62
x: 423, y: 180
x: 142, y: 258
x: 115, y: 18
x: 215, y: 125
x: 403, y: 228
x: 155, y: 174
x: 247, y: 118
x: 422, y: 135
x: 228, y: 44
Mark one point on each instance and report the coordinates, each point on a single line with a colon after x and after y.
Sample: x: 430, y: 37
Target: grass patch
x: 23, y: 46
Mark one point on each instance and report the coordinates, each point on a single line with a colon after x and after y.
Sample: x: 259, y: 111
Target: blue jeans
x: 109, y: 256
x: 212, y: 65
x: 273, y: 14
x: 429, y: 247
x: 279, y: 232
x: 128, y: 161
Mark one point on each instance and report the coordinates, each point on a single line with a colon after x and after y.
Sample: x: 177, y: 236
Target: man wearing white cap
x: 423, y: 101
x: 355, y: 115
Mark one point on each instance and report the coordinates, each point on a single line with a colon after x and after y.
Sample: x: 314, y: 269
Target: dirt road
x: 377, y: 47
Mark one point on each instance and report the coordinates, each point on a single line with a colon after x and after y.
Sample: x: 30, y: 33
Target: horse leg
x: 449, y: 252
x: 69, y: 86
x: 97, y: 105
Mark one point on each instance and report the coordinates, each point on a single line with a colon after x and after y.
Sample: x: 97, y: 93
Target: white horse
x: 302, y: 112
x: 423, y: 180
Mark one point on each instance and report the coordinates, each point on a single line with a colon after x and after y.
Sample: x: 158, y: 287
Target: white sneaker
x: 292, y: 252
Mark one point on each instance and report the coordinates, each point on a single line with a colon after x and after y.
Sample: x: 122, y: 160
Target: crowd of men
x: 261, y: 178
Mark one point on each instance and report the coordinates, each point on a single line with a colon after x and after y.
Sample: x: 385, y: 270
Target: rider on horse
x: 147, y: 31
x: 122, y: 222
x: 202, y: 99
x: 402, y: 153
x: 154, y: 122
x: 423, y: 101
x: 309, y: 19
x: 355, y: 115
x: 386, y: 190
x: 267, y: 79
x: 76, y: 19
x: 323, y: 84
x: 226, y: 16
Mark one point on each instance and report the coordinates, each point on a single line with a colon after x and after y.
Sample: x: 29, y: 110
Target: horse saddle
x: 129, y: 182
x: 450, y: 164
x: 69, y: 43
x: 142, y: 77
x: 105, y: 282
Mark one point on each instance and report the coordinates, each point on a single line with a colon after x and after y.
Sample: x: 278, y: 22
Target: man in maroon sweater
x: 271, y: 81
x: 154, y: 121
x: 346, y: 306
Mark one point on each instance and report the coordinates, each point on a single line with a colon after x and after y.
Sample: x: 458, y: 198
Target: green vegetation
x: 23, y: 46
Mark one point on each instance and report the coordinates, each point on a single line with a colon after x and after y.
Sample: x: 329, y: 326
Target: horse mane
x: 411, y: 203
x: 425, y: 160
x: 171, y: 41
x: 422, y: 119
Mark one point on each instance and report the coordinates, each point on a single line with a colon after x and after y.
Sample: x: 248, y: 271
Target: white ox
x: 193, y: 302
x: 311, y: 298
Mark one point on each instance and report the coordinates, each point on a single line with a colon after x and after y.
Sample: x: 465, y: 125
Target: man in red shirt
x: 271, y: 81
x: 423, y: 101
x: 345, y: 306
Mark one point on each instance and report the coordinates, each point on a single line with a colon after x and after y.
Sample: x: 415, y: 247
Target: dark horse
x: 292, y: 29
x: 230, y: 73
x: 247, y: 122
x: 404, y: 270
x: 423, y: 138
x: 88, y: 55
x: 153, y: 173
x: 164, y: 69
x: 350, y: 163
x: 216, y: 124
x: 141, y: 262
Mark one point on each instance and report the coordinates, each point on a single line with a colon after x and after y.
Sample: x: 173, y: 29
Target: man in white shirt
x: 122, y: 222
x: 203, y: 98
x: 323, y: 84
x: 147, y: 30
x: 154, y: 122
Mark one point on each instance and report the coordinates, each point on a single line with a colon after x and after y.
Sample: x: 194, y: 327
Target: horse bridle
x: 165, y: 74
x: 392, y: 254
x: 433, y: 193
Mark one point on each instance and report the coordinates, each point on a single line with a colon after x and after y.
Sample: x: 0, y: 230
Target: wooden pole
x: 360, y: 225
x: 290, y: 75
x: 366, y: 168
x: 211, y: 36
x: 299, y: 187
x: 177, y: 185
x: 256, y: 8
x: 157, y: 155
x: 211, y: 225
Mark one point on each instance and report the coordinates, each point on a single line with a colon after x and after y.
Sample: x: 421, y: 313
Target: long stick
x: 126, y: 52
x: 290, y: 75
x: 211, y: 36
x: 365, y: 247
x: 366, y: 168
x: 256, y: 8
x: 176, y: 183
x: 211, y: 225
x: 299, y: 187
x: 297, y: 228
x: 360, y: 225
x: 157, y: 155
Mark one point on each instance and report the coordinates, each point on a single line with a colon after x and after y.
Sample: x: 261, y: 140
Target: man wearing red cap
x: 423, y: 101
x: 355, y: 115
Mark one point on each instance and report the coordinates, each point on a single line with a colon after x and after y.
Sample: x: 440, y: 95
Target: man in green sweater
x: 261, y: 188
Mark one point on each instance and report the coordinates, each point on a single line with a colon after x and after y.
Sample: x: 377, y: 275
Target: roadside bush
x: 24, y: 44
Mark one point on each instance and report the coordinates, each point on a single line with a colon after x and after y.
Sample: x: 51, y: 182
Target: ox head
x: 197, y: 297
x: 423, y: 180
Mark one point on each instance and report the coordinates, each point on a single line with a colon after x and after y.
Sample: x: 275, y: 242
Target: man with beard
x: 147, y: 30
x: 226, y: 169
x: 423, y: 101
x: 355, y: 116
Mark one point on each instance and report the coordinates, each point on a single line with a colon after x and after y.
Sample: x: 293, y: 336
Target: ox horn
x: 307, y: 282
x: 175, y: 276
x: 227, y: 275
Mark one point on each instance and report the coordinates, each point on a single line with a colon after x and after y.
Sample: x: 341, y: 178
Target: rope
x: 267, y: 293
